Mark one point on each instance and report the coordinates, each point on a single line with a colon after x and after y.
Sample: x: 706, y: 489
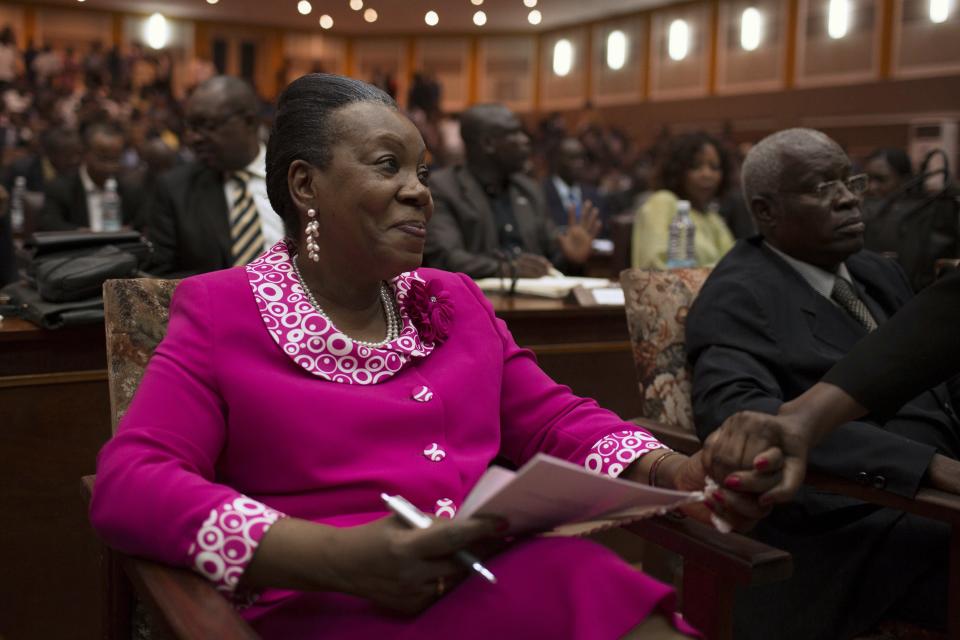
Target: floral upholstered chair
x: 657, y: 303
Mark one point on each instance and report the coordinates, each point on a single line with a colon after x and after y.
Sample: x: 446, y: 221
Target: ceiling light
x: 356, y: 5
x: 479, y: 18
x: 157, y: 31
x: 562, y: 57
x: 939, y: 11
x: 212, y: 1
x: 431, y: 18
x: 751, y: 29
x: 678, y: 40
x: 616, y: 50
x: 304, y: 7
x: 477, y: 2
x: 530, y: 4
x: 370, y: 15
x: 838, y: 18
x: 326, y: 21
x: 534, y: 17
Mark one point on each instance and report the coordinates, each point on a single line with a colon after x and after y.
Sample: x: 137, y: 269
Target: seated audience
x: 214, y: 213
x: 692, y: 167
x: 75, y: 200
x: 774, y: 316
x: 289, y: 393
x: 887, y: 169
x: 564, y: 188
x: 60, y: 154
x: 491, y: 219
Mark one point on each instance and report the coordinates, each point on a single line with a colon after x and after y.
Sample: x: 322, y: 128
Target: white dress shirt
x: 94, y: 200
x: 569, y: 195
x: 270, y: 222
x: 821, y: 280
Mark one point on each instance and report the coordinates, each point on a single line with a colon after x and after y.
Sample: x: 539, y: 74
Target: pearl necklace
x: 386, y: 299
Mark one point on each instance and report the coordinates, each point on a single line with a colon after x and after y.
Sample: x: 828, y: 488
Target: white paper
x: 548, y: 492
x: 609, y: 295
x: 546, y: 287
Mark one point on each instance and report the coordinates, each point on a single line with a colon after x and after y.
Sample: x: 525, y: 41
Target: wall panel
x: 689, y: 77
x: 617, y: 86
x: 506, y: 70
x: 742, y: 71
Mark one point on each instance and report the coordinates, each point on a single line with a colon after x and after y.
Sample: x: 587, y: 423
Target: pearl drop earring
x: 313, y: 232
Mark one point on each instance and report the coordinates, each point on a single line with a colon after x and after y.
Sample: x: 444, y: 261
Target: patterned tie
x: 246, y: 234
x: 847, y: 298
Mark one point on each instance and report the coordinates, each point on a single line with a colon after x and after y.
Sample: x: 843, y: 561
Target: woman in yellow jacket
x: 692, y: 167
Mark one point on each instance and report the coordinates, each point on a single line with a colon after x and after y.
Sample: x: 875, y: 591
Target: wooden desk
x: 56, y: 416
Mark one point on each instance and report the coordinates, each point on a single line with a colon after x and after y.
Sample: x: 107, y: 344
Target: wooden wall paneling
x: 378, y: 56
x: 181, y: 47
x: 687, y: 78
x: 742, y: 71
x: 506, y: 70
x: 447, y: 59
x: 72, y: 28
x: 624, y: 85
x: 823, y: 61
x: 15, y: 16
x: 568, y: 91
x: 921, y: 47
x: 305, y: 52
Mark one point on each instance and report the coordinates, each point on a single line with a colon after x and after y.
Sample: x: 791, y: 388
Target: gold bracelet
x: 652, y: 479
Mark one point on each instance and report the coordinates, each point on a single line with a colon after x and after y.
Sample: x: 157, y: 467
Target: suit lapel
x: 475, y: 200
x: 210, y: 211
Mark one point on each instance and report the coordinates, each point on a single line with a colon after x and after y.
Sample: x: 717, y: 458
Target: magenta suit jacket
x: 238, y: 419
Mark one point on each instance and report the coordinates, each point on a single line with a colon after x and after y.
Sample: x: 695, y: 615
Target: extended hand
x: 753, y: 441
x: 576, y: 242
x: 530, y: 265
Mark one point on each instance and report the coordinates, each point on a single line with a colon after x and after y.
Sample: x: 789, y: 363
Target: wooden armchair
x: 181, y: 604
x: 656, y: 306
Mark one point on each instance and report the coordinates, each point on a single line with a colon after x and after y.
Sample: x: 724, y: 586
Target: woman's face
x: 703, y: 178
x: 373, y: 203
x: 883, y: 179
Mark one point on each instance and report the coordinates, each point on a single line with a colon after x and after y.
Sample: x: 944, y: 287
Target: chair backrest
x: 657, y: 303
x: 135, y: 313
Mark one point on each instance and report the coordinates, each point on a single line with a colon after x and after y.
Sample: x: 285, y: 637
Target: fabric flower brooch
x: 430, y: 309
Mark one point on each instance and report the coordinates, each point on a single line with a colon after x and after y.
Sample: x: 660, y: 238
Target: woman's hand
x: 394, y: 566
x: 747, y: 440
x: 737, y: 501
x: 576, y: 242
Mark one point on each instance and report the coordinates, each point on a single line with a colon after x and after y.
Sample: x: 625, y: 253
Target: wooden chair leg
x: 708, y: 602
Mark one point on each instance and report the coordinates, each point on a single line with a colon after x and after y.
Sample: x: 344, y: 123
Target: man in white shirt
x: 214, y: 213
x: 75, y: 200
x: 565, y: 189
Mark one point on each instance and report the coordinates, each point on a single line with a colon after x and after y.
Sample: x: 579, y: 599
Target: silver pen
x: 419, y: 520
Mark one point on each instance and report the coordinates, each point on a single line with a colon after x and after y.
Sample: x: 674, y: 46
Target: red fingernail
x: 732, y: 481
x: 761, y: 464
x: 719, y: 497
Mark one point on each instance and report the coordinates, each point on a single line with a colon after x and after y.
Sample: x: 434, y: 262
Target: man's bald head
x: 222, y: 123
x: 796, y: 183
x: 765, y: 162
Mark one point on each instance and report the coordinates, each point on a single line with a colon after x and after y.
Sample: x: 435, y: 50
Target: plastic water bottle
x: 17, y: 204
x: 680, y: 245
x: 111, y: 206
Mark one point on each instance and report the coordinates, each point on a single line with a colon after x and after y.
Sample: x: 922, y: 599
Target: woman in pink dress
x: 288, y: 394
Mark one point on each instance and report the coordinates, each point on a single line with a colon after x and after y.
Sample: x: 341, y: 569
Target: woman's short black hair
x: 678, y: 157
x: 898, y: 160
x: 302, y: 131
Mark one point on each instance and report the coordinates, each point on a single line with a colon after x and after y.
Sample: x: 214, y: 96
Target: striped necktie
x: 246, y: 234
x: 845, y: 295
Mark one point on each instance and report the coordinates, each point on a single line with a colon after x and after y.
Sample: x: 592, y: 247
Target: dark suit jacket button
x: 863, y: 478
x: 879, y: 482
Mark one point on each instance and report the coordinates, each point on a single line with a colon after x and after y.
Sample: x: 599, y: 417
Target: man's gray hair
x: 763, y: 166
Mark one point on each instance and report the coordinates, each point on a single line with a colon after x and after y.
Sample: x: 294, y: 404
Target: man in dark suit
x: 214, y: 213
x: 60, y: 154
x: 564, y: 188
x: 774, y: 316
x: 74, y: 200
x: 489, y: 218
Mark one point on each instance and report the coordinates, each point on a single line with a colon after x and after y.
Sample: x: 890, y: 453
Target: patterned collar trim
x: 312, y: 341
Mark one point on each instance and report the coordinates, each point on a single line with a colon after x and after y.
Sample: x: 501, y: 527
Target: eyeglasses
x: 211, y: 124
x: 831, y: 189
